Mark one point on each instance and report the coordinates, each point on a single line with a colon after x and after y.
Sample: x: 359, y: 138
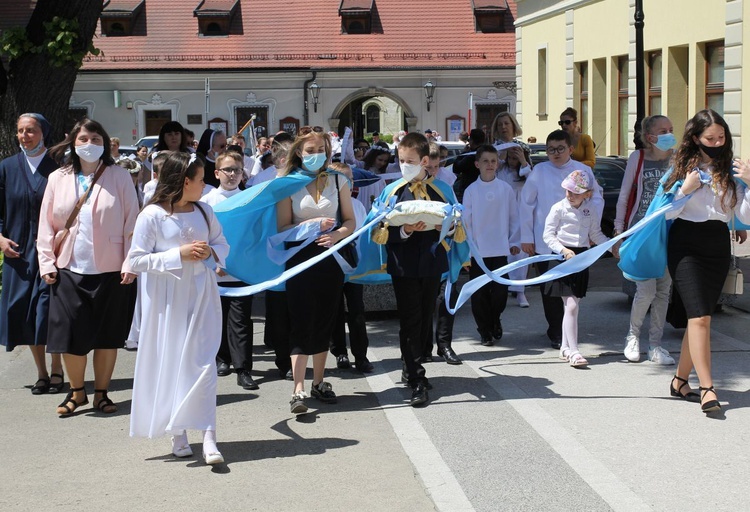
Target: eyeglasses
x: 361, y: 148
x: 566, y: 122
x: 559, y: 150
x: 231, y: 170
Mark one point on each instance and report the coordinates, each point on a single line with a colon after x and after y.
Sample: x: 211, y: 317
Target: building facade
x: 374, y: 65
x: 581, y: 54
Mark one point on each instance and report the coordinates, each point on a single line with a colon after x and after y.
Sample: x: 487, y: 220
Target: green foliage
x: 385, y: 137
x: 59, y: 43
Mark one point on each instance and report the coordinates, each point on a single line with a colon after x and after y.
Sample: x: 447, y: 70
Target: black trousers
x: 488, y: 303
x: 415, y: 299
x: 444, y: 320
x: 354, y: 317
x: 276, y: 333
x: 553, y: 308
x: 236, y: 332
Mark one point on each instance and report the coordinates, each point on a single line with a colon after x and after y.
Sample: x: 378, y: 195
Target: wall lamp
x: 429, y: 92
x: 315, y: 91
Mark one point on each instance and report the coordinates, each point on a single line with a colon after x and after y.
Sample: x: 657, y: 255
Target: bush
x: 388, y: 138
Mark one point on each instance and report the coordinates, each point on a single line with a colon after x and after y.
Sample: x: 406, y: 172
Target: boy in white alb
x: 542, y: 190
x: 491, y: 218
x: 237, y: 327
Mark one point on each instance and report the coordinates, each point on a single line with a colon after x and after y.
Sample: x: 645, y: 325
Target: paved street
x: 513, y: 428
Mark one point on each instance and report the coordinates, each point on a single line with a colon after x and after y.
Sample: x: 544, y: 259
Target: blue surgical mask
x: 33, y: 151
x: 313, y: 162
x: 665, y: 141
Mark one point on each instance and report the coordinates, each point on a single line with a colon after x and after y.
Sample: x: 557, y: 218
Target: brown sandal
x: 104, y: 404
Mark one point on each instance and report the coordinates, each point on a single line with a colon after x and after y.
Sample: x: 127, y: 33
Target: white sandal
x: 577, y: 360
x: 564, y: 354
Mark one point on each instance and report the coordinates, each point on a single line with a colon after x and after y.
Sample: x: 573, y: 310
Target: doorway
x: 155, y: 119
x: 486, y: 114
x: 374, y: 113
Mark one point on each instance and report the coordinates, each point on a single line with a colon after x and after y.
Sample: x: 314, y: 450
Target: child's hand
x: 528, y: 249
x: 742, y: 169
x: 692, y: 183
x: 567, y: 253
x: 514, y: 250
x: 195, y: 251
x: 410, y: 228
x: 220, y: 272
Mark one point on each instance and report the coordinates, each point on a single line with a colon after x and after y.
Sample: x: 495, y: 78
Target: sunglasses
x: 566, y: 122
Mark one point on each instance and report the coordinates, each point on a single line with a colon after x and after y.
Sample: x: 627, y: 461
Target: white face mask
x: 410, y: 171
x: 89, y: 152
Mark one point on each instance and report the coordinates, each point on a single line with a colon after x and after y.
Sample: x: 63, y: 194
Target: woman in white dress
x: 176, y: 247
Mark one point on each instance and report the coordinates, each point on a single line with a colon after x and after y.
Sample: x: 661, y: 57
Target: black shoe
x: 711, y: 405
x: 486, y: 339
x: 289, y: 375
x: 690, y: 396
x: 323, y: 392
x: 245, y: 381
x: 448, y: 355
x: 497, y: 332
x: 297, y: 403
x: 342, y: 362
x: 364, y: 366
x: 428, y: 359
x: 419, y: 395
x: 222, y: 369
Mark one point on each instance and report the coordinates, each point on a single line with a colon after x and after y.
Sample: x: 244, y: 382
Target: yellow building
x: 581, y: 54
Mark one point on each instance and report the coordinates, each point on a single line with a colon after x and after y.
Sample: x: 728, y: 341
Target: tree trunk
x: 32, y: 84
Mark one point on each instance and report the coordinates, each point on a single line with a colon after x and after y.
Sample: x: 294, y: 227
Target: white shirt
x: 305, y: 208
x: 249, y: 166
x: 148, y: 190
x: 82, y: 259
x: 446, y: 175
x: 491, y: 216
x: 264, y: 175
x: 513, y: 178
x: 705, y: 204
x: 34, y: 161
x: 542, y: 190
x: 566, y: 226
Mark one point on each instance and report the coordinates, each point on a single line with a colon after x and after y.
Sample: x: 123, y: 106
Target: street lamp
x: 429, y: 92
x: 315, y: 91
x: 640, y: 78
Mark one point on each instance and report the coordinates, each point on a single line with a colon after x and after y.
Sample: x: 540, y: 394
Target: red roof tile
x: 306, y: 34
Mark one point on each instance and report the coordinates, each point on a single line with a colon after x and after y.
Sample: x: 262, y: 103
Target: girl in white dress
x: 176, y: 247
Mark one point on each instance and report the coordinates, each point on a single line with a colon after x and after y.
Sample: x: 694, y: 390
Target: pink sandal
x: 577, y: 360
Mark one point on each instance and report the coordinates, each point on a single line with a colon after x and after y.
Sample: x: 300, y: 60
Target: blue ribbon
x: 381, y: 211
x: 576, y: 264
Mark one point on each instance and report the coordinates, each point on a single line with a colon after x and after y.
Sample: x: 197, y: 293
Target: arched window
x: 373, y: 118
x: 213, y: 29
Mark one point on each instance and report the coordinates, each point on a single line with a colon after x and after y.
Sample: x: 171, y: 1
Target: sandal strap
x: 706, y: 390
x: 59, y: 375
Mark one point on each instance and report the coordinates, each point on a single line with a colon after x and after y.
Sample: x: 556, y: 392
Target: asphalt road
x: 513, y: 428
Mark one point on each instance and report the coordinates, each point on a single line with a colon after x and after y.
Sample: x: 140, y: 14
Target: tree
x: 40, y: 64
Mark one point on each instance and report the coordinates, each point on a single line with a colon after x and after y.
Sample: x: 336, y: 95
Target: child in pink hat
x: 570, y: 224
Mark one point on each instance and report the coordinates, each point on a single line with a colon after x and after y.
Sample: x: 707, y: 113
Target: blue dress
x: 24, y: 299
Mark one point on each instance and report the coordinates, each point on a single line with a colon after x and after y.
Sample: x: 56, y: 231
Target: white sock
x: 209, y: 442
x: 180, y: 440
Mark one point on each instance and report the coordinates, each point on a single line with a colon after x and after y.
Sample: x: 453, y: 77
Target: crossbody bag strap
x: 634, y: 189
x: 84, y: 197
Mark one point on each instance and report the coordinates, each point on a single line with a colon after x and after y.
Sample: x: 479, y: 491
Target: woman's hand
x: 327, y: 223
x: 567, y: 253
x: 328, y: 239
x: 127, y: 278
x: 740, y: 235
x: 7, y: 246
x: 514, y: 250
x: 616, y: 249
x: 692, y: 182
x: 50, y: 278
x: 410, y: 228
x: 528, y: 249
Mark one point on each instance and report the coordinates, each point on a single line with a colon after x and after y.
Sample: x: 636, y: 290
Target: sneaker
x: 659, y: 355
x: 324, y: 393
x: 633, y: 349
x: 342, y: 362
x: 297, y: 403
x: 522, y: 301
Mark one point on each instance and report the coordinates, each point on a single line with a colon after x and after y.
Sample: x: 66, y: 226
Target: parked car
x: 148, y: 141
x: 127, y: 150
x: 454, y: 148
x: 609, y: 171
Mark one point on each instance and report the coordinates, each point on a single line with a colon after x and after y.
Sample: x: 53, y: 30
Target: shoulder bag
x: 61, y: 236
